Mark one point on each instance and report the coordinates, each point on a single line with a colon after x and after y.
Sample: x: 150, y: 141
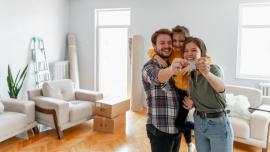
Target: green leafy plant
x: 14, y: 86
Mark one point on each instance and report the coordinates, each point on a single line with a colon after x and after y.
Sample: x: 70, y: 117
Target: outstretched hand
x: 203, y: 66
x: 178, y: 64
x: 185, y: 71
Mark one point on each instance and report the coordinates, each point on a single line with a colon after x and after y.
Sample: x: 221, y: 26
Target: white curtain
x: 137, y: 97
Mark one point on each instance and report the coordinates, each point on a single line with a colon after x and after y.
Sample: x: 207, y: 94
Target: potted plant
x: 14, y: 86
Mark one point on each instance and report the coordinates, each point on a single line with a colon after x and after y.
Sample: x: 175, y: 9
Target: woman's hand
x: 188, y: 103
x: 203, y: 66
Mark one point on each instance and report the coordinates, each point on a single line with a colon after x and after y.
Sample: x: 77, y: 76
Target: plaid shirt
x: 161, y: 99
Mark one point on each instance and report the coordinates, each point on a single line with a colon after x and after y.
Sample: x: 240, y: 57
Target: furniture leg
x: 53, y: 113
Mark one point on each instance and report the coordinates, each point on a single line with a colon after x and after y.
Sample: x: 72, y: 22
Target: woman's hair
x: 199, y: 42
x: 181, y: 29
x: 158, y: 32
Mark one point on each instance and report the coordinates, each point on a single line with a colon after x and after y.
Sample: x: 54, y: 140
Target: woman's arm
x: 204, y: 67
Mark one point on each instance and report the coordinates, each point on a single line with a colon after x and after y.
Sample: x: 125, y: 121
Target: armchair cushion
x: 12, y: 122
x: 1, y: 107
x: 79, y: 110
x: 60, y: 89
x: 240, y: 127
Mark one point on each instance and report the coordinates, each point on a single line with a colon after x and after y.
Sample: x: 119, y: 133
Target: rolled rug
x: 137, y: 55
x: 73, y: 59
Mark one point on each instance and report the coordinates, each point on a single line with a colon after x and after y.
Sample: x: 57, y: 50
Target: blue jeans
x: 213, y: 134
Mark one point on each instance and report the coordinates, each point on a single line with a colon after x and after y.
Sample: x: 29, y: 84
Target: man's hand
x: 177, y: 65
x: 162, y: 63
x: 185, y: 71
x: 188, y: 103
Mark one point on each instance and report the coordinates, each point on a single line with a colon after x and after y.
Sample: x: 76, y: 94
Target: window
x: 254, y: 41
x: 112, y: 55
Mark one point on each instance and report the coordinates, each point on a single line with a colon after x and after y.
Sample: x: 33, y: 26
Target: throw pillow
x: 51, y: 91
x: 60, y: 89
x: 238, y: 106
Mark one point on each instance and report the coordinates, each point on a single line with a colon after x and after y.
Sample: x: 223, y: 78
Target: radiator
x: 265, y: 87
x: 59, y: 70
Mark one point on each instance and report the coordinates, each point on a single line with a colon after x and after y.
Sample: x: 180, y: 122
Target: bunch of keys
x: 192, y: 66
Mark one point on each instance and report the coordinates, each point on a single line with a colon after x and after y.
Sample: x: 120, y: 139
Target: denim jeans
x: 161, y: 141
x: 213, y: 134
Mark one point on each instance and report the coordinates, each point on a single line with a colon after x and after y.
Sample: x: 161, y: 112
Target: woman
x: 213, y: 132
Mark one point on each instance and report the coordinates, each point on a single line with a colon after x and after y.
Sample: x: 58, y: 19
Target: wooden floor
x: 82, y: 138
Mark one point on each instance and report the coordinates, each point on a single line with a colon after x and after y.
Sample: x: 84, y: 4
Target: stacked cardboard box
x: 111, y: 114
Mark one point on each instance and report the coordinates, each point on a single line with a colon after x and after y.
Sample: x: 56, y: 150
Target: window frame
x: 96, y: 52
x: 239, y: 42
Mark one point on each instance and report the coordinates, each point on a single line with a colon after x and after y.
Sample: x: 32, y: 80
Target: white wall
x: 19, y: 21
x: 215, y: 21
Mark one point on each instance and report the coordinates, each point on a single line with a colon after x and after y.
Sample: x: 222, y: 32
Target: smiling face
x: 192, y: 51
x: 178, y: 40
x: 163, y: 45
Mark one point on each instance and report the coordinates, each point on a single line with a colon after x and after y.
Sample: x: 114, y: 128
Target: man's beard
x: 160, y: 53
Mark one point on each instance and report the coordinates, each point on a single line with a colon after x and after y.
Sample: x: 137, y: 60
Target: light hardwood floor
x: 82, y: 138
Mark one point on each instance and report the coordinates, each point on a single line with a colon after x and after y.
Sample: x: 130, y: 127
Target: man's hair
x: 158, y: 32
x: 181, y: 29
x: 199, y: 42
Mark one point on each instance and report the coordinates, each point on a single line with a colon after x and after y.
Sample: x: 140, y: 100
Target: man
x: 161, y: 98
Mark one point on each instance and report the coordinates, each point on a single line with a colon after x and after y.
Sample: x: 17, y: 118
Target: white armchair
x: 256, y: 130
x: 59, y: 106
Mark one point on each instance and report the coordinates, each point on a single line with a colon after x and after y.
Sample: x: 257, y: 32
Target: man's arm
x: 176, y: 66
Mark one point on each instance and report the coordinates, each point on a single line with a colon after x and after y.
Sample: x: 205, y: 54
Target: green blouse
x: 205, y: 98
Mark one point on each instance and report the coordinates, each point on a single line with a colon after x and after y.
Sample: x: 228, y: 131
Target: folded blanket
x: 238, y: 106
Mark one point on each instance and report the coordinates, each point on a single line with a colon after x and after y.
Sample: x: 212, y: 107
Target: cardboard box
x: 109, y: 124
x: 113, y: 107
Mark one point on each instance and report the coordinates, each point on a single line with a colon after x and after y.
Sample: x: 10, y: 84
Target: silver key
x: 192, y: 66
